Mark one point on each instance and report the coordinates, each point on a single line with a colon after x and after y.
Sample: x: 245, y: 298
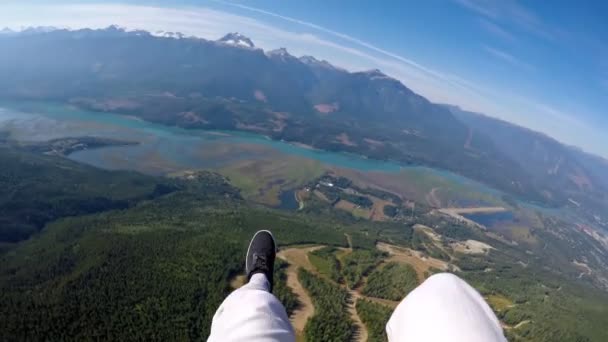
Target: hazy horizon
x: 579, y: 124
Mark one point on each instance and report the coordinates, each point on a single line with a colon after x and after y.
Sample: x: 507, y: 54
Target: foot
x: 260, y: 256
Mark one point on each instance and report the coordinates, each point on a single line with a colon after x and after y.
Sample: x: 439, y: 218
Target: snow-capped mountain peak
x: 7, y: 31
x: 237, y: 39
x: 33, y: 30
x: 167, y: 34
x: 282, y: 52
x: 310, y: 60
x: 376, y: 74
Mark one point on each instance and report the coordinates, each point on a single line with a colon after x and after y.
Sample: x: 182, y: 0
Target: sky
x: 539, y: 64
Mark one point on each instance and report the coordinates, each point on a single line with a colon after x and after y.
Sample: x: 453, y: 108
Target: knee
x: 446, y: 279
x: 447, y: 284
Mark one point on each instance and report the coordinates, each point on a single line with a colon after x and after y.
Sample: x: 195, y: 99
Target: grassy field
x: 416, y: 185
x: 262, y: 180
x: 354, y: 209
x: 498, y: 302
x: 326, y: 262
x: 322, y: 265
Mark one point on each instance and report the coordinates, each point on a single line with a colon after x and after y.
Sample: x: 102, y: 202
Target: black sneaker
x: 260, y: 256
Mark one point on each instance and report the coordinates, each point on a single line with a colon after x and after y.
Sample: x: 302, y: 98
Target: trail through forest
x: 298, y: 257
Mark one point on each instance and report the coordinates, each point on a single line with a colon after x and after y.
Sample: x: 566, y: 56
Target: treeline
x: 374, y: 316
x: 330, y: 321
x: 393, y: 281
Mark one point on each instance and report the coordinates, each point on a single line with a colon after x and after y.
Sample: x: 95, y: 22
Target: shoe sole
x: 250, y: 242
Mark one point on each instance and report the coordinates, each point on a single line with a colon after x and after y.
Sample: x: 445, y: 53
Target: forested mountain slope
x: 582, y: 177
x: 37, y: 189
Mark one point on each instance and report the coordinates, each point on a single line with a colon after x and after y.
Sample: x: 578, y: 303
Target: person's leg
x: 444, y: 308
x: 252, y: 313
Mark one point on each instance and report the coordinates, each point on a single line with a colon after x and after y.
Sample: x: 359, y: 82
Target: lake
x: 163, y: 149
x: 489, y: 219
x: 288, y: 200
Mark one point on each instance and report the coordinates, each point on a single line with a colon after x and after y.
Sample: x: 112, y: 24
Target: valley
x: 200, y: 210
x: 129, y: 194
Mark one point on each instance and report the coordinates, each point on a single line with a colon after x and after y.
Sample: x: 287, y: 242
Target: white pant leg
x: 444, y: 308
x: 251, y: 313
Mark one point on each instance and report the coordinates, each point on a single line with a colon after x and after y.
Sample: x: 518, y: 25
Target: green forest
x: 374, y: 316
x: 358, y: 264
x: 155, y: 271
x: 392, y: 281
x: 158, y: 266
x: 330, y: 321
x: 38, y: 189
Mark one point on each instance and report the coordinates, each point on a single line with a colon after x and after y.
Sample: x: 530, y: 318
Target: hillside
x: 37, y: 189
x: 581, y: 176
x: 196, y: 83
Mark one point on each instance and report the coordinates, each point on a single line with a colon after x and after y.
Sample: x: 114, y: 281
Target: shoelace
x: 260, y: 262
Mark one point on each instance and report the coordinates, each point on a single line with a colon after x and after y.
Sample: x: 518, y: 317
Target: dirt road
x: 420, y: 262
x: 432, y: 199
x: 361, y: 330
x: 457, y: 213
x: 298, y: 257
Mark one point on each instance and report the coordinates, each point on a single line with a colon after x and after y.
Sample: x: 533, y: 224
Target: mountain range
x: 230, y: 84
x: 89, y: 253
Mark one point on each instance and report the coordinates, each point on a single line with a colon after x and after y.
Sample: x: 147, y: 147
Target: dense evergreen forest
x: 158, y: 270
x: 330, y: 321
x: 38, y: 189
x: 374, y: 316
x: 393, y: 281
x: 358, y: 264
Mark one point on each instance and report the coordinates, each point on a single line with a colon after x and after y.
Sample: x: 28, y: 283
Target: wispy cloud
x: 602, y: 78
x: 341, y: 49
x: 340, y: 35
x: 509, y: 11
x: 437, y: 85
x: 496, y: 30
x: 509, y: 58
x: 212, y: 24
x: 604, y: 83
x: 554, y: 114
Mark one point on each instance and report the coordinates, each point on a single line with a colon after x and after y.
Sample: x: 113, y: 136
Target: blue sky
x: 541, y: 64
